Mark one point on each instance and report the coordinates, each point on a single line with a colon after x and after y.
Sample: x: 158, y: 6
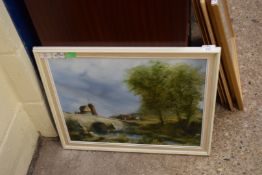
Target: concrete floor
x: 237, y: 143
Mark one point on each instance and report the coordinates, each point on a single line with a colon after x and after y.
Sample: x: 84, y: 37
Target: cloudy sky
x: 100, y: 82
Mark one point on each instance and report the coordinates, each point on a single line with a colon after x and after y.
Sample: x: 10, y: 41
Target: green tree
x: 166, y: 89
x: 184, y: 86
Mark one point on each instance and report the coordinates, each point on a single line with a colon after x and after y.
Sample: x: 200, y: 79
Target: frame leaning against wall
x: 210, y: 53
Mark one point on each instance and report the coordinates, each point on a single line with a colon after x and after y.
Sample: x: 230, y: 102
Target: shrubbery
x: 76, y: 131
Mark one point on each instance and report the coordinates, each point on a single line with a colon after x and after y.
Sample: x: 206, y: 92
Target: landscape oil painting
x: 157, y: 101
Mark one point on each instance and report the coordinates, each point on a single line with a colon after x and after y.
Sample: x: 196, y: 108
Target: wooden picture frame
x: 225, y: 37
x: 226, y: 96
x: 48, y: 58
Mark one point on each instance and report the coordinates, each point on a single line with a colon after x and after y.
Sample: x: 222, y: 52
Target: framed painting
x: 132, y: 99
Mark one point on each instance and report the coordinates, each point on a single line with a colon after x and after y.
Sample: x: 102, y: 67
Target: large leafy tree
x: 184, y: 86
x: 167, y: 89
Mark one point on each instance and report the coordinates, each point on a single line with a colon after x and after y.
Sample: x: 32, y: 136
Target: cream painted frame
x: 210, y: 53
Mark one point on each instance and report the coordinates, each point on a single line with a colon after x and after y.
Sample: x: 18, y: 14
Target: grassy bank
x: 147, y: 130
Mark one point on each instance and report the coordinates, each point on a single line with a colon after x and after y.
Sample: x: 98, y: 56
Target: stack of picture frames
x: 215, y: 23
x: 144, y: 99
